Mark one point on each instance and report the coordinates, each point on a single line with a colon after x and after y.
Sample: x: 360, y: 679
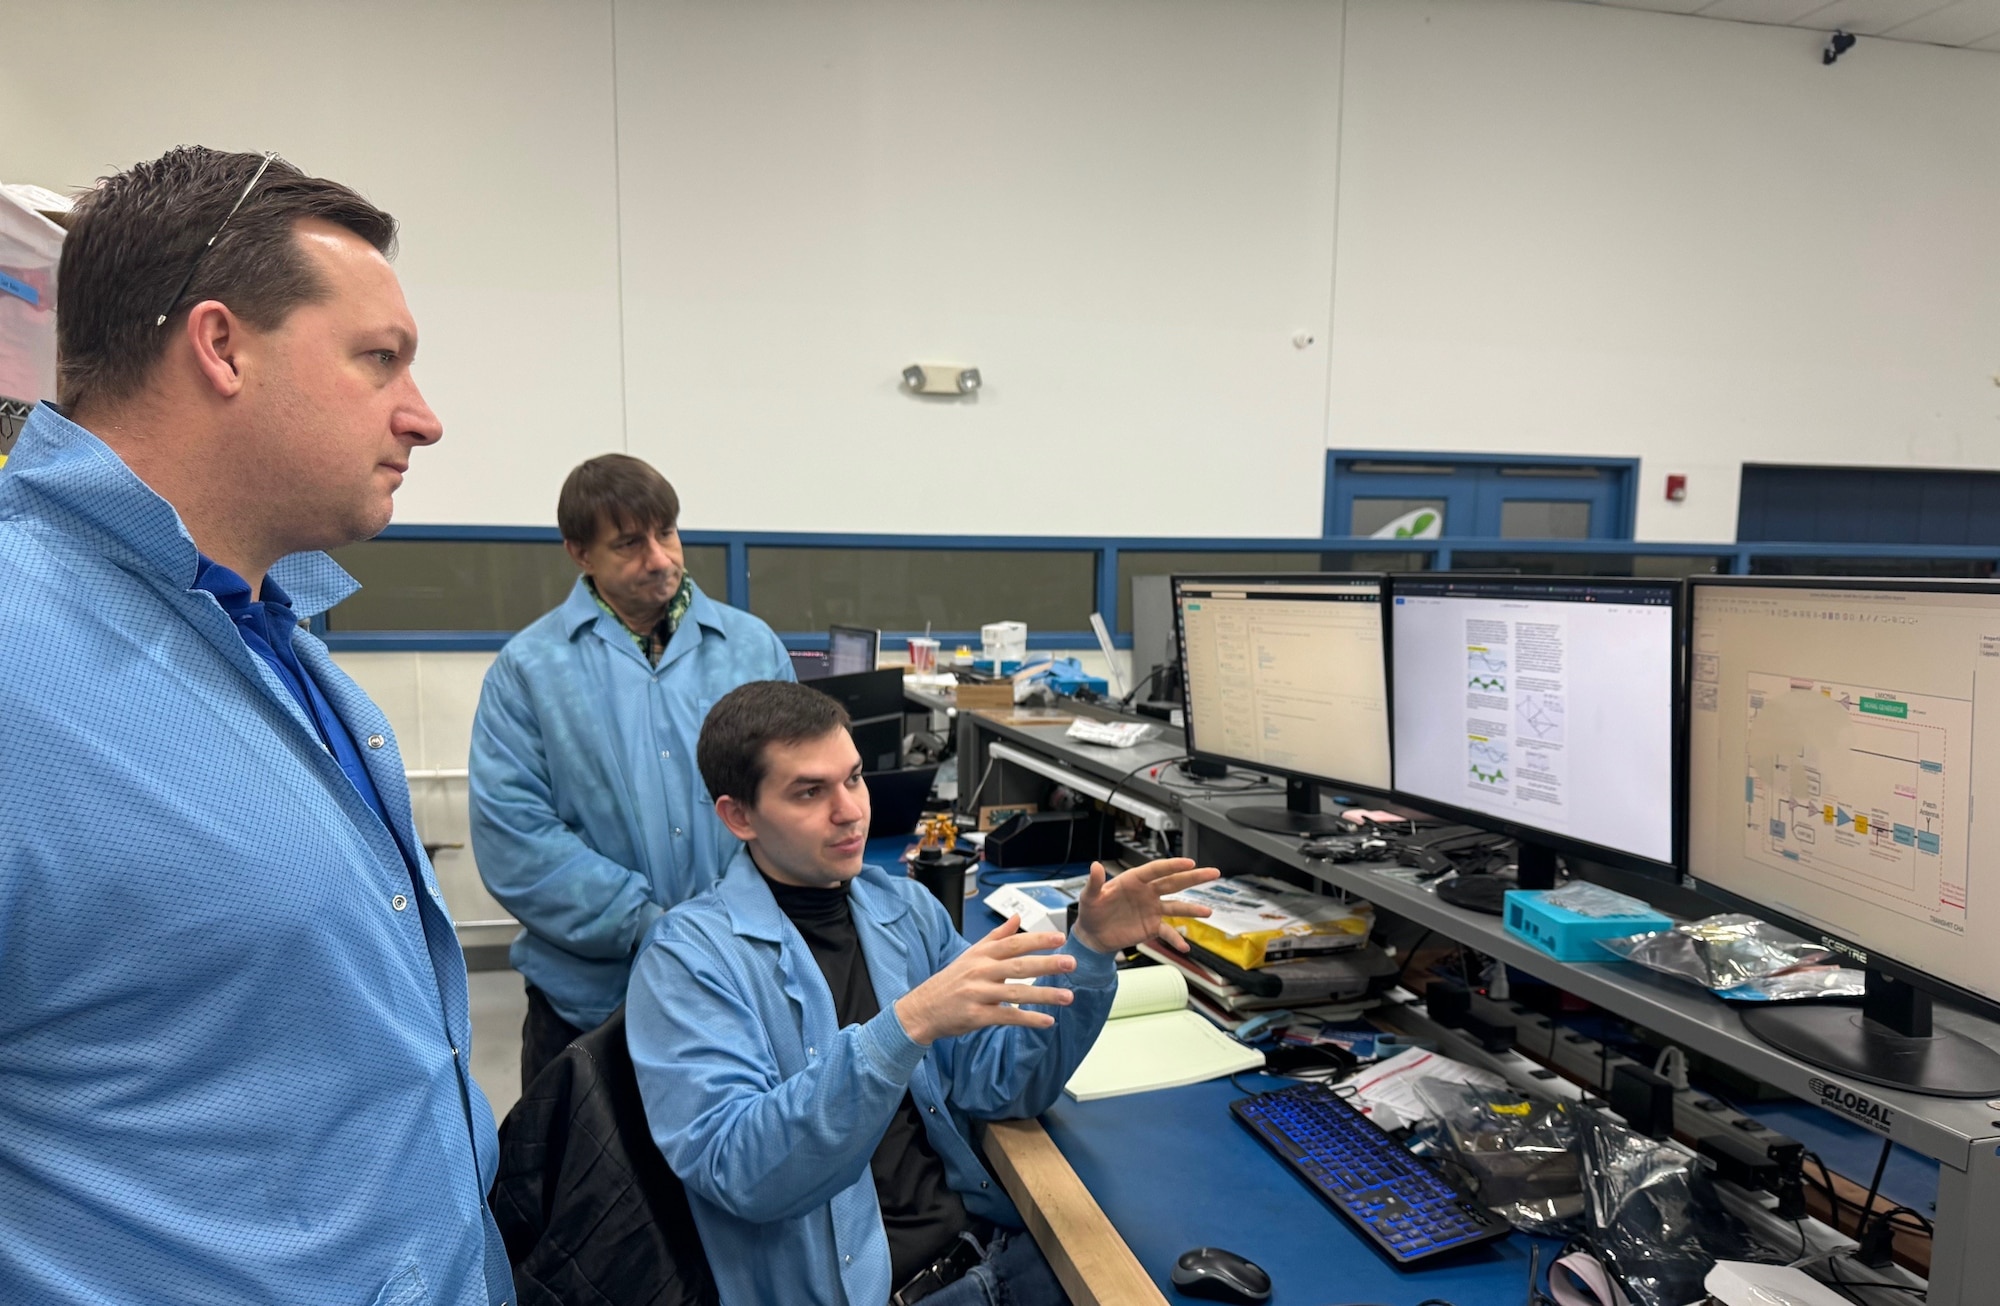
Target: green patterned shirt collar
x: 652, y: 643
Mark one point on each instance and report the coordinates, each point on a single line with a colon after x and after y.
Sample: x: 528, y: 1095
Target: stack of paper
x: 1387, y: 1091
x: 1153, y: 1041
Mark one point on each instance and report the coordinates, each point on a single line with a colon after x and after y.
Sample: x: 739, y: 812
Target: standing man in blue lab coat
x: 589, y: 817
x: 235, y: 1046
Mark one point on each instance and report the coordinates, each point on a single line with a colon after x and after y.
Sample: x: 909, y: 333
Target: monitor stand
x: 1299, y: 815
x: 1534, y: 868
x: 1889, y: 1041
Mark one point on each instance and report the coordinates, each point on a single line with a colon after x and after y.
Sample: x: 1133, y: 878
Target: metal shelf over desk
x: 1963, y: 1136
x: 1045, y: 752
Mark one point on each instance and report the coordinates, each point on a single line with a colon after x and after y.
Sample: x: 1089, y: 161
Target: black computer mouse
x: 1221, y: 1276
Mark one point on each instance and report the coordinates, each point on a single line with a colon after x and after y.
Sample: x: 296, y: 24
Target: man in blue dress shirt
x: 235, y: 1042
x: 813, y: 1040
x: 589, y: 817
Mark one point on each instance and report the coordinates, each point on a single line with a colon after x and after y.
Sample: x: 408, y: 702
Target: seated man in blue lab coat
x: 813, y: 1040
x: 588, y: 816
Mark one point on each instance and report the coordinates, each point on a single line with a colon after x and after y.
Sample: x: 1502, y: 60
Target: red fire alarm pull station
x: 1677, y: 488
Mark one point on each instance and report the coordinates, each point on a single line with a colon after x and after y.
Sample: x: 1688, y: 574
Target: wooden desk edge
x: 1094, y: 1264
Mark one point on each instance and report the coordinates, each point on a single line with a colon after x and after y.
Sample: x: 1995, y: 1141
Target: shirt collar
x: 705, y: 611
x: 62, y: 473
x: 580, y: 610
x: 754, y: 913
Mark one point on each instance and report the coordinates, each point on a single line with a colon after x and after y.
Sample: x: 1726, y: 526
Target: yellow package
x: 1258, y: 921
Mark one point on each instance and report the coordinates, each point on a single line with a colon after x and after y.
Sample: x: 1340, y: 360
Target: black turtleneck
x: 921, y: 1212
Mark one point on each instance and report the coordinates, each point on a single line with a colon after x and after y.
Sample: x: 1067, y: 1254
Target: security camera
x: 1839, y: 44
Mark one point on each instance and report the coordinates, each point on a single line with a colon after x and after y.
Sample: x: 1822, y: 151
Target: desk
x: 1172, y: 1170
x: 1962, y: 1136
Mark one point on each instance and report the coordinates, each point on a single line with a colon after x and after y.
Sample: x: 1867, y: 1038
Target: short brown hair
x: 730, y: 752
x: 617, y: 488
x: 135, y: 235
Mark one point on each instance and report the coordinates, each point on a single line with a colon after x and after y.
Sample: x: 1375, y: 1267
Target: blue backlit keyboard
x: 1404, y: 1204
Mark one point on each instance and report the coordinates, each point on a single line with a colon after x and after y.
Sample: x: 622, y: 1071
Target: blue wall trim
x: 1735, y: 558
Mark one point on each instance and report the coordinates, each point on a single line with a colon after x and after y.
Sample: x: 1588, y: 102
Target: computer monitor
x: 851, y: 649
x: 1835, y: 731
x: 1545, y: 708
x: 1283, y: 673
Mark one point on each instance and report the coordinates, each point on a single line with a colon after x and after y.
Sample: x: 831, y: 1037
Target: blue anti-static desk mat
x: 1173, y: 1170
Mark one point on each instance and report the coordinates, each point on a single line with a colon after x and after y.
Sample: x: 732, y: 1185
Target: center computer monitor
x: 1284, y: 673
x: 1835, y: 735
x: 1547, y: 709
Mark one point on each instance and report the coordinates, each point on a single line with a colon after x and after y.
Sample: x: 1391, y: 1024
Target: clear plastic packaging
x: 1586, y: 899
x: 1516, y: 1154
x: 30, y: 249
x: 1742, y: 959
x: 1653, y: 1217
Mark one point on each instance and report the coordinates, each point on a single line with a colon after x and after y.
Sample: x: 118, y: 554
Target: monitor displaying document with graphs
x: 1543, y: 707
x: 1835, y: 733
x: 1285, y: 674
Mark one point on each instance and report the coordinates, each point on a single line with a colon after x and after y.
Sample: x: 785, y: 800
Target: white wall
x: 485, y: 126
x: 1569, y: 229
x: 713, y: 232
x: 1120, y: 211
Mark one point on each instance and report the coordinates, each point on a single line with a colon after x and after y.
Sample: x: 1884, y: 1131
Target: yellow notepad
x: 1153, y: 1041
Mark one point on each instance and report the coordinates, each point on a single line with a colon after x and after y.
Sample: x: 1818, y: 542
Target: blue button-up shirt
x: 235, y: 1042
x: 589, y: 817
x: 769, y: 1111
x: 266, y: 626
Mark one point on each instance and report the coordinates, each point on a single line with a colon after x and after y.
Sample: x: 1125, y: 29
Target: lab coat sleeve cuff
x: 649, y: 915
x: 889, y: 1051
x: 1094, y: 969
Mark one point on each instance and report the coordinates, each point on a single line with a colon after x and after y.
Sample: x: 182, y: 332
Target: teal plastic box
x: 1572, y: 936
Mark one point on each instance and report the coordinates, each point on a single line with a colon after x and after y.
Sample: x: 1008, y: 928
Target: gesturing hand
x: 973, y: 991
x: 1132, y: 909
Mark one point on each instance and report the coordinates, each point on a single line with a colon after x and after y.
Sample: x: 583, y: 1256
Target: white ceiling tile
x: 1782, y: 12
x: 1867, y: 17
x: 1957, y: 24
x: 1969, y: 24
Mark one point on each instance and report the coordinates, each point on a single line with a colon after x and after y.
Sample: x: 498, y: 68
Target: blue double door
x: 1514, y: 499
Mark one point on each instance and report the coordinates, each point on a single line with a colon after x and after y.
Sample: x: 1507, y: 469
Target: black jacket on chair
x: 591, y: 1214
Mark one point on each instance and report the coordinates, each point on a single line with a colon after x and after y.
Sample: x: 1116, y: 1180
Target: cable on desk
x: 1196, y: 785
x: 1925, y: 1227
x: 1874, y: 1186
x: 1119, y: 783
x: 1825, y: 1184
x: 1843, y: 1285
x: 1404, y: 973
x: 1125, y: 699
x: 980, y: 792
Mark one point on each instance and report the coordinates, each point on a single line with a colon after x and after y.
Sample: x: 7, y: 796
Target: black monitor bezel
x: 1843, y: 946
x: 1676, y: 689
x: 1331, y: 579
x: 873, y: 636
